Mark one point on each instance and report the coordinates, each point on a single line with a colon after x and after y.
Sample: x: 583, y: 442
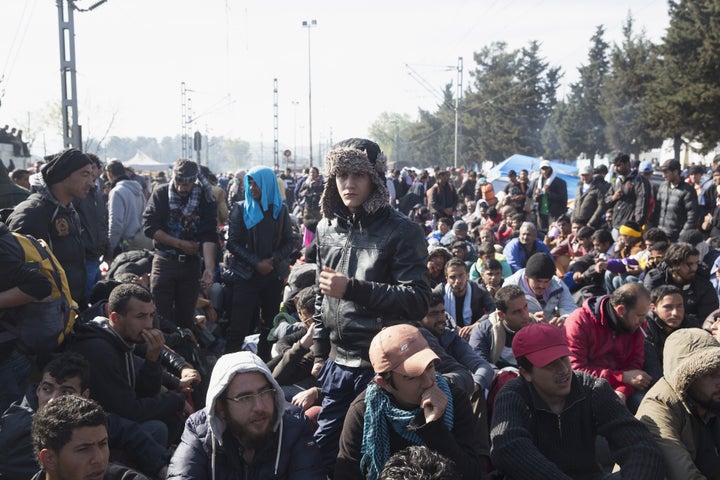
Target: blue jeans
x: 340, y: 386
x: 93, y: 276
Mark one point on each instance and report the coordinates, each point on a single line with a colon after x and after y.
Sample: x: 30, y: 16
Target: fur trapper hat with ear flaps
x: 354, y: 155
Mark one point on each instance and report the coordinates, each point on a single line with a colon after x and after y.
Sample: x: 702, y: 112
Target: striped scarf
x: 380, y: 413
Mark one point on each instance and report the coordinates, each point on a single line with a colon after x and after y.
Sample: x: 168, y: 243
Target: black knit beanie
x: 63, y: 165
x: 540, y: 265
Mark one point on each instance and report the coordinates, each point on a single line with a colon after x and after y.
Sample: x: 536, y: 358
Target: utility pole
x: 458, y: 113
x: 309, y: 24
x: 72, y: 133
x: 295, y: 105
x: 276, y: 152
x: 183, y: 123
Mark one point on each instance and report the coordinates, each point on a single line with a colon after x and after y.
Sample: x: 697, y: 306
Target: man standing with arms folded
x: 372, y: 273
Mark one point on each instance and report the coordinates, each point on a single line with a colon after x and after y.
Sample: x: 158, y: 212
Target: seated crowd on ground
x: 358, y: 322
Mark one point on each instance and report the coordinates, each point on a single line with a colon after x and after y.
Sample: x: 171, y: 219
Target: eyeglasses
x: 248, y: 399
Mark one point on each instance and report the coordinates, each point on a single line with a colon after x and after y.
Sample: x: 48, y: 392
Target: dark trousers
x: 175, y: 287
x: 260, y: 292
x: 340, y: 386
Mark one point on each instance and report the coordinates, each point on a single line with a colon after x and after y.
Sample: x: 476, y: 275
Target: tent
x: 141, y: 162
x: 518, y: 162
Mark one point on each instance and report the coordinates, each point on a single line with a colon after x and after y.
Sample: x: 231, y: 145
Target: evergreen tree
x: 633, y: 66
x: 685, y: 98
x: 583, y: 128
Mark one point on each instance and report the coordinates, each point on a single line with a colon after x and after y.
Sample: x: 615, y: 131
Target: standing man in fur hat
x: 372, y: 273
x: 49, y: 214
x: 181, y: 218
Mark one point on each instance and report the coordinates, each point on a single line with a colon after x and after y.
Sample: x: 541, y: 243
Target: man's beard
x: 251, y: 440
x: 704, y: 401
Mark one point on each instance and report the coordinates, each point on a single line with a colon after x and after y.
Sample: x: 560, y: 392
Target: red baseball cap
x: 540, y: 343
x: 402, y: 349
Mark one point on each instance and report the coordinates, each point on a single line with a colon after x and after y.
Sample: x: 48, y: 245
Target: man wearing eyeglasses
x: 244, y: 430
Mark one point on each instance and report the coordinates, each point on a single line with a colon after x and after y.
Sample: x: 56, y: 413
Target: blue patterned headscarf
x: 266, y: 180
x: 381, y: 415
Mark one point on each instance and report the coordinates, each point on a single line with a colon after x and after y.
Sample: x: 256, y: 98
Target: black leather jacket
x: 385, y: 256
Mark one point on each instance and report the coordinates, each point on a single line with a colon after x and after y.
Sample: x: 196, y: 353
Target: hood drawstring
x: 279, y: 448
x: 212, y: 458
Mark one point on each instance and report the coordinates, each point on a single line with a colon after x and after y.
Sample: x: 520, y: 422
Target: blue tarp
x: 518, y: 162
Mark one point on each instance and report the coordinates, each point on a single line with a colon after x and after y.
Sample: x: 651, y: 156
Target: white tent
x: 141, y: 162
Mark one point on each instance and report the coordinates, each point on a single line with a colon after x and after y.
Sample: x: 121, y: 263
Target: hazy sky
x: 132, y: 56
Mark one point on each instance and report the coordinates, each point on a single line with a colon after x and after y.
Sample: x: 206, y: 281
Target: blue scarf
x: 266, y: 180
x: 380, y: 413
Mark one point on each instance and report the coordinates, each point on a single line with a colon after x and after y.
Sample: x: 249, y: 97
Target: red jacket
x: 602, y: 348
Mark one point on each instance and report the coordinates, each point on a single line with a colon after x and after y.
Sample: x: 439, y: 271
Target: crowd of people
x: 362, y: 323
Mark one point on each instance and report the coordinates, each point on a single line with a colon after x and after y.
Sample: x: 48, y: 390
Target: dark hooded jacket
x: 382, y: 252
x: 42, y: 216
x: 121, y: 381
x: 209, y: 451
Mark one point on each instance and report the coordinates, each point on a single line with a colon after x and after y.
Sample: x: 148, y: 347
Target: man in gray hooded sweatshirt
x: 244, y: 431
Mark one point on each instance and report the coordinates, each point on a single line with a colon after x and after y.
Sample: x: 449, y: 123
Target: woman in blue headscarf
x: 260, y: 239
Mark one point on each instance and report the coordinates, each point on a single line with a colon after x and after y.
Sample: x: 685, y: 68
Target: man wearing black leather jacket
x: 372, y: 273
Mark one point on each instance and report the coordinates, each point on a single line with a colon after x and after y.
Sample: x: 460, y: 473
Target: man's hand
x: 433, y: 402
x: 155, y: 341
x: 207, y: 278
x: 633, y: 269
x: 617, y: 195
x: 265, y: 266
x: 636, y: 378
x: 305, y: 399
x: 307, y: 340
x: 465, y: 332
x: 317, y: 366
x: 539, y: 317
x: 558, y: 321
x: 188, y: 378
x: 188, y: 247
x: 332, y: 283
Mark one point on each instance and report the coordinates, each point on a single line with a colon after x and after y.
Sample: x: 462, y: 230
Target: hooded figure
x: 682, y: 415
x: 261, y: 241
x: 212, y: 445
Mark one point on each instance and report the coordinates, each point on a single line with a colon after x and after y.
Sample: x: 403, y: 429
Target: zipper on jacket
x: 559, y: 423
x: 343, y: 269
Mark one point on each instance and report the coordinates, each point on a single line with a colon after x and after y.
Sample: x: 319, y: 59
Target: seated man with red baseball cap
x: 545, y: 422
x: 408, y: 403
